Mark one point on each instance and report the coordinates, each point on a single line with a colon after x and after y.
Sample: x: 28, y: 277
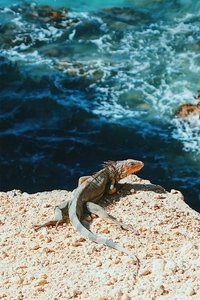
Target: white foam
x: 7, y: 10
x: 72, y: 35
x: 190, y: 60
x: 135, y: 61
x: 103, y: 43
x: 33, y: 58
x: 149, y: 61
x: 116, y: 112
x: 187, y: 130
x: 18, y: 52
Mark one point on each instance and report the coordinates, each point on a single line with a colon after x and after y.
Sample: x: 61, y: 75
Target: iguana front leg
x: 112, y: 187
x: 100, y: 212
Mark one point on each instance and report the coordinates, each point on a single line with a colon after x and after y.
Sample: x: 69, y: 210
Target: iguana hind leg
x: 83, y: 179
x: 47, y: 224
x: 58, y: 219
x: 100, y: 212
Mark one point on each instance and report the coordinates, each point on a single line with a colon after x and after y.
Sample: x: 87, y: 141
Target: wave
x: 137, y: 72
x: 188, y: 131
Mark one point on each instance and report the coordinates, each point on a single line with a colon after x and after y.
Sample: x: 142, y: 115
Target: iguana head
x: 126, y: 167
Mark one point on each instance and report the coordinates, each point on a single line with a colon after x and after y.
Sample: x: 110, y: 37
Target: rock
x: 7, y: 27
x: 125, y: 15
x: 196, y: 46
x: 43, y: 13
x: 87, y: 73
x: 88, y: 28
x: 188, y: 109
x: 37, y: 262
x: 38, y: 26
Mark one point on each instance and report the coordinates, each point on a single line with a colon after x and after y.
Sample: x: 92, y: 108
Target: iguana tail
x: 99, y: 239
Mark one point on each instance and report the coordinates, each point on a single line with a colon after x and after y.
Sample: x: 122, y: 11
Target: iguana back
x: 92, y: 191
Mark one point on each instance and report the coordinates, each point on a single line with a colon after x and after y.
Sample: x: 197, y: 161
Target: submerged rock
x: 125, y: 15
x: 38, y: 26
x: 42, y: 13
x: 82, y: 74
x: 7, y: 27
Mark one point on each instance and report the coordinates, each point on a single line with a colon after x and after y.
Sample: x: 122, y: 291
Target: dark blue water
x: 84, y: 84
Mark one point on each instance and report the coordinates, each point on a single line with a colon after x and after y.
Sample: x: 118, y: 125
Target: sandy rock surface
x: 61, y: 264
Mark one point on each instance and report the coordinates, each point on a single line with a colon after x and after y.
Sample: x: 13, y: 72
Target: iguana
x: 89, y: 191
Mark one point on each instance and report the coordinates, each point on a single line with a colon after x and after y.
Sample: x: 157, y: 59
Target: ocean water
x: 89, y: 81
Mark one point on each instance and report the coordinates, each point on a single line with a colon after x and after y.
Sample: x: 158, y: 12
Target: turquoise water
x: 102, y: 80
x: 98, y: 4
x: 174, y: 7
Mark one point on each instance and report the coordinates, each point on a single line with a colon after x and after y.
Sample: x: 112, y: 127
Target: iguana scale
x: 90, y: 190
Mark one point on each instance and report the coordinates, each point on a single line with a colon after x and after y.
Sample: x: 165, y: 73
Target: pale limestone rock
x: 60, y: 264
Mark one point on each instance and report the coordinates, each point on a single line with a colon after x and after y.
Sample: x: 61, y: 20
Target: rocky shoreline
x: 60, y: 264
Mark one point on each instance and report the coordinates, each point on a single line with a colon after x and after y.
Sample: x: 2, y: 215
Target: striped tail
x: 99, y: 239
